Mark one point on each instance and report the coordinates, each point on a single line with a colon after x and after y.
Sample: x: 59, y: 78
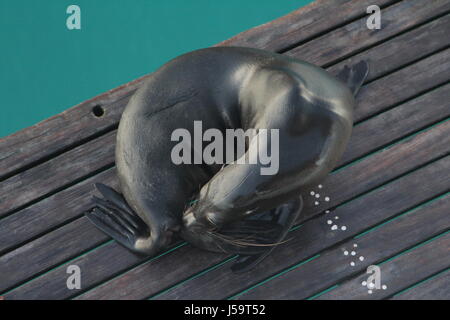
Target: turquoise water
x: 46, y: 68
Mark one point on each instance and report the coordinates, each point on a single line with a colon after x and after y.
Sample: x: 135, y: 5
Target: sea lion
x: 236, y: 209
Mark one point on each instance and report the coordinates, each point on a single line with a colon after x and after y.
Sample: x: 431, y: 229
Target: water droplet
x: 371, y: 285
x: 352, y: 264
x: 343, y: 228
x: 336, y: 217
x: 361, y: 258
x: 384, y: 287
x: 370, y: 291
x: 364, y: 283
x: 312, y: 193
x: 329, y: 222
x: 355, y: 245
x: 327, y: 211
x: 317, y: 195
x: 345, y: 253
x: 353, y: 253
x: 327, y: 199
x: 316, y: 203
x: 334, y: 227
x: 320, y: 186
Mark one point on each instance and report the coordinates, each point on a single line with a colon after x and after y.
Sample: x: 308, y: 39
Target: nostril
x: 98, y: 111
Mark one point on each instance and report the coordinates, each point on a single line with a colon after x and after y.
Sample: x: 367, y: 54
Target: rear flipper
x: 354, y: 76
x: 274, y: 226
x: 113, y: 216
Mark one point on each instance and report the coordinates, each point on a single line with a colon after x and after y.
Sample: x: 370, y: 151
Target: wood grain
x: 41, y: 254
x: 436, y: 288
x: 399, y: 273
x: 397, y: 18
x: 52, y: 212
x: 315, y: 236
x: 40, y: 181
x: 333, y: 266
x: 302, y: 24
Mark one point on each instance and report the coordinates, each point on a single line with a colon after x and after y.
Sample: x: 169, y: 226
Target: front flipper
x: 354, y: 77
x: 113, y: 216
x: 283, y: 216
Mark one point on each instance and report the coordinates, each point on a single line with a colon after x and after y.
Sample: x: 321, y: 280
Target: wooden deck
x: 390, y: 191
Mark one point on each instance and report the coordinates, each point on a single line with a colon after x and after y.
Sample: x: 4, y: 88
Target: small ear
x: 354, y: 76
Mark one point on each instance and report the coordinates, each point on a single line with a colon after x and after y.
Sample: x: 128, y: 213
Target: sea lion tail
x: 354, y: 76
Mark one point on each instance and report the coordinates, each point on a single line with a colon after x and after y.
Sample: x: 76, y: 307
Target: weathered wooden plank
x: 54, y: 174
x: 408, y: 82
x: 333, y: 266
x: 402, y: 49
x: 47, y: 177
x: 369, y: 172
x: 108, y: 260
x: 399, y: 273
x: 395, y: 19
x: 147, y: 278
x: 77, y: 124
x: 346, y: 184
x: 315, y: 235
x: 436, y: 288
x: 70, y: 203
x: 52, y: 212
x: 398, y: 122
x: 55, y: 135
x: 300, y: 25
x: 156, y: 274
x: 40, y: 255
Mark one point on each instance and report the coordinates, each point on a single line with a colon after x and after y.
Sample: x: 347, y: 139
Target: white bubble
x: 369, y: 292
x: 316, y: 203
x: 327, y: 199
x: 312, y: 193
x: 371, y: 285
x: 343, y: 228
x: 345, y: 253
x: 336, y: 217
x: 320, y: 186
x: 384, y: 287
x: 364, y: 283
x: 334, y: 227
x: 352, y: 264
x: 327, y: 211
x: 355, y: 245
x: 353, y: 253
x: 361, y: 258
x: 317, y: 195
x: 329, y: 222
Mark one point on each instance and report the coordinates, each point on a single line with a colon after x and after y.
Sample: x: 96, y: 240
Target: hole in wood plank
x: 98, y: 111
